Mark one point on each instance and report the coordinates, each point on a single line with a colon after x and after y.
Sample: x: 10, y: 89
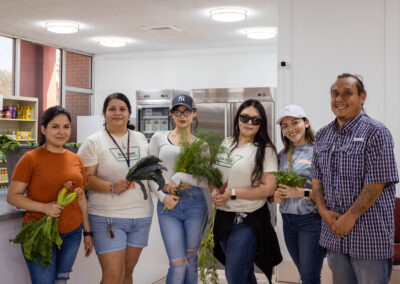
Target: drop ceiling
x: 148, y: 24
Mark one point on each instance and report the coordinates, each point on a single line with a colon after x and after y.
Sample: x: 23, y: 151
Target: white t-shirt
x: 161, y: 147
x: 236, y: 168
x: 100, y: 150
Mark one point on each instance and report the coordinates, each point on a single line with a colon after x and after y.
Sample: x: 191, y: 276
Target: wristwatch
x: 233, y: 194
x: 87, y: 234
x: 306, y: 193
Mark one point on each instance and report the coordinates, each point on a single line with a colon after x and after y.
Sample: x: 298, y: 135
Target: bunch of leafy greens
x: 38, y: 237
x: 198, y: 159
x: 290, y: 179
x: 6, y: 143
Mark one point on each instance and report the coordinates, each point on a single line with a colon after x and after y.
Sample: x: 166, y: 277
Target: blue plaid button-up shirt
x: 345, y: 160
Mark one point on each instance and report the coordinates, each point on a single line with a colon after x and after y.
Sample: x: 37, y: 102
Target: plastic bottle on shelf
x: 13, y: 112
x: 18, y: 111
x: 28, y: 113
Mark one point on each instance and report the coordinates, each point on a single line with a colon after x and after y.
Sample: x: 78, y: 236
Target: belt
x: 184, y: 186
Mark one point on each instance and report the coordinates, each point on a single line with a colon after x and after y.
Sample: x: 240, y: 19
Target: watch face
x: 306, y: 193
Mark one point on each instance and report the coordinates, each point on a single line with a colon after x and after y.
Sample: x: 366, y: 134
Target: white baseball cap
x: 291, y: 110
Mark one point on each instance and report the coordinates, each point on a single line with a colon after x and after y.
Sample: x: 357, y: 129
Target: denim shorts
x: 133, y: 232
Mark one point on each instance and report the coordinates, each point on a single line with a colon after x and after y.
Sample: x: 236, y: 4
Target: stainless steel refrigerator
x: 217, y: 107
x: 152, y: 110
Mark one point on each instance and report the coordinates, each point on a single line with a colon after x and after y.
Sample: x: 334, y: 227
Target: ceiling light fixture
x: 62, y: 27
x: 112, y: 41
x: 261, y: 33
x: 228, y: 14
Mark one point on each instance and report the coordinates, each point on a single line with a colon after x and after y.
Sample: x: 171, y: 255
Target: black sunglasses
x: 254, y: 120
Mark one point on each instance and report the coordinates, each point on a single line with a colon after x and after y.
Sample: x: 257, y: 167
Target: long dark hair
x: 122, y: 97
x: 308, y: 135
x: 48, y: 116
x: 261, y: 139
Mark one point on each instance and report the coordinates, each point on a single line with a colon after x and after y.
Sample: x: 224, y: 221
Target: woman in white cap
x: 181, y: 219
x: 301, y: 221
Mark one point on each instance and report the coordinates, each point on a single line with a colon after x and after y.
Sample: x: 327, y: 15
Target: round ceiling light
x: 228, y: 14
x: 62, y: 27
x: 261, y: 33
x: 112, y: 41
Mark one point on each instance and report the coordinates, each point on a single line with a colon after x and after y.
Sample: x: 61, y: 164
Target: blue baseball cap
x: 183, y: 100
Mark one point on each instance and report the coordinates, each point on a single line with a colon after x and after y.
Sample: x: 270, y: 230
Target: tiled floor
x: 261, y: 279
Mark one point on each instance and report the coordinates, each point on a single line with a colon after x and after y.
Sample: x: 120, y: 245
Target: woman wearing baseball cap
x: 180, y: 219
x: 301, y: 221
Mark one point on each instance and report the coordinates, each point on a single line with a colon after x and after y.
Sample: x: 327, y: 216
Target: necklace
x: 126, y: 157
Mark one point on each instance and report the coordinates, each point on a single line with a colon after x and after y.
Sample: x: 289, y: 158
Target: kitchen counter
x: 7, y: 211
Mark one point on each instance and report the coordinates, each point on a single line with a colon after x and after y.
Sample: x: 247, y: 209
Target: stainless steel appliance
x: 152, y: 110
x: 217, y: 107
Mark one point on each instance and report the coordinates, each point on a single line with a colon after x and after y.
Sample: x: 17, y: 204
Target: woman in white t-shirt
x: 119, y: 215
x: 181, y: 218
x: 243, y: 231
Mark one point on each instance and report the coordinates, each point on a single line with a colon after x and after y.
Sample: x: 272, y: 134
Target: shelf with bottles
x: 19, y: 118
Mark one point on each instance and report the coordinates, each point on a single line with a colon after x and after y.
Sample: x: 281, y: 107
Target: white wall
x: 183, y: 69
x: 321, y: 39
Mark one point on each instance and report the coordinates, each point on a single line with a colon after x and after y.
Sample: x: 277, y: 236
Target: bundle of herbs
x: 197, y: 159
x: 38, y: 237
x: 290, y: 179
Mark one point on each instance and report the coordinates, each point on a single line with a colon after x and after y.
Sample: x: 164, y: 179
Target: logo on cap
x: 181, y: 98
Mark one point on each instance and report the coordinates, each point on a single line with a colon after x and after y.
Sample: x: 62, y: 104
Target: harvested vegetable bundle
x: 290, y: 179
x: 197, y: 159
x: 147, y: 168
x: 38, y: 237
x: 207, y: 261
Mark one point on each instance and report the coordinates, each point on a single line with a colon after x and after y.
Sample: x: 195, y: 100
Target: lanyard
x: 291, y: 163
x: 127, y: 158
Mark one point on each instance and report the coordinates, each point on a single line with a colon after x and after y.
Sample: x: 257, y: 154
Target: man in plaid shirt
x: 354, y: 174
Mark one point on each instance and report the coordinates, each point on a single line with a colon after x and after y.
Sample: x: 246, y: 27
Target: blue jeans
x: 302, y: 234
x: 350, y: 270
x: 240, y: 248
x: 62, y: 259
x: 181, y: 230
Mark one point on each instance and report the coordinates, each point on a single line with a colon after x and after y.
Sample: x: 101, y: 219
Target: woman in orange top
x: 42, y: 173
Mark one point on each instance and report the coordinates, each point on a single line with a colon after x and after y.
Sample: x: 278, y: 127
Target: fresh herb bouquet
x: 197, y: 159
x: 290, y: 179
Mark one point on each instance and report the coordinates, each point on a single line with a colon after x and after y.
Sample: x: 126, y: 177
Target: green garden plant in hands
x: 38, y: 237
x: 290, y: 179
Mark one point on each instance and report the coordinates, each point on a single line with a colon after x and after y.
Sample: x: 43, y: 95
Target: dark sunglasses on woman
x: 254, y: 120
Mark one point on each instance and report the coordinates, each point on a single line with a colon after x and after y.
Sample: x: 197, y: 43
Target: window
x: 6, y: 65
x: 40, y: 74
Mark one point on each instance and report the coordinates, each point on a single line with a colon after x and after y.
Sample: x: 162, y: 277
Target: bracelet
x: 112, y: 189
x: 87, y: 233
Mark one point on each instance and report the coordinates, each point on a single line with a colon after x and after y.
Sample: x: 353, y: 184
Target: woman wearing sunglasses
x: 243, y: 231
x: 181, y: 219
x: 301, y: 221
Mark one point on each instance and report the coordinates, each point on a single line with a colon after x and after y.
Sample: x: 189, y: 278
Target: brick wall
x: 78, y: 74
x: 78, y: 70
x: 76, y: 104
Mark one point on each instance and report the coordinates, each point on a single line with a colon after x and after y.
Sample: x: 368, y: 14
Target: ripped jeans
x: 62, y: 259
x: 181, y: 232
